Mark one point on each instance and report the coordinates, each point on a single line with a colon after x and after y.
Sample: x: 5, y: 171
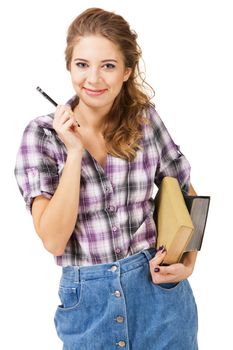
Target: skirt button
x: 117, y: 294
x: 121, y: 343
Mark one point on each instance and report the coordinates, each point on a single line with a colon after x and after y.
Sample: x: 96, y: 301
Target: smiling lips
x: 94, y: 92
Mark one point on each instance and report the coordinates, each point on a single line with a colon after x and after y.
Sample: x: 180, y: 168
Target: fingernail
x: 157, y: 269
x: 160, y: 248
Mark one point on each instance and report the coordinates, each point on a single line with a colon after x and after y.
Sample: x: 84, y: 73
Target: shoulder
x: 38, y: 129
x: 153, y: 122
x: 153, y: 117
x: 40, y: 139
x: 44, y: 122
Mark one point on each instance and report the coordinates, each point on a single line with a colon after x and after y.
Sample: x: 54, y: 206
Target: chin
x: 96, y: 102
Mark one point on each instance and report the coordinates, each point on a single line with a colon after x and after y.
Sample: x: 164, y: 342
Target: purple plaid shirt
x: 115, y: 217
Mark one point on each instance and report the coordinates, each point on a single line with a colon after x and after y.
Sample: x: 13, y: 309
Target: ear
x: 127, y: 73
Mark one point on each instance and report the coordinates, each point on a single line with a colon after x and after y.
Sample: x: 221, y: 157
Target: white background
x: 187, y: 49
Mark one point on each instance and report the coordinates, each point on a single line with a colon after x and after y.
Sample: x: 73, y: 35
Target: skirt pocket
x: 70, y: 297
x: 170, y: 285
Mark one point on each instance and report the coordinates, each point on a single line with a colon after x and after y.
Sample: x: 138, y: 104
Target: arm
x: 55, y: 219
x: 175, y: 272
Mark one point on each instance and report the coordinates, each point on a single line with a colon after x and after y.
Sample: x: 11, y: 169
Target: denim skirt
x: 116, y: 305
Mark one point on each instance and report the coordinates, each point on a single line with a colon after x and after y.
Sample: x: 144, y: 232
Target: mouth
x: 96, y: 92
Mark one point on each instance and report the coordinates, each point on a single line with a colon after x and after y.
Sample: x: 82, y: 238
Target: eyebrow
x: 103, y: 61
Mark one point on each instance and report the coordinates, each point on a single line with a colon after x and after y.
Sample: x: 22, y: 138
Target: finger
x: 68, y: 124
x: 58, y: 108
x: 158, y: 278
x: 62, y: 117
x: 173, y: 269
x: 62, y: 109
x: 59, y: 113
x: 60, y: 121
x: 159, y: 257
x: 155, y: 264
x: 163, y: 270
x: 72, y: 124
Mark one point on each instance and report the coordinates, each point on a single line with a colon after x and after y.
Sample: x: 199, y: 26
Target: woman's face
x: 97, y: 71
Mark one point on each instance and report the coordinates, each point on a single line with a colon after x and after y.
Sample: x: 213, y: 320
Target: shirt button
x: 117, y: 294
x: 111, y: 208
x: 120, y: 319
x: 113, y: 268
x: 118, y: 250
x: 114, y: 228
x: 121, y: 343
x: 33, y: 172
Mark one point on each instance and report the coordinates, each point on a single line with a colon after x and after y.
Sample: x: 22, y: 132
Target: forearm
x: 189, y: 260
x: 191, y: 191
x: 58, y: 220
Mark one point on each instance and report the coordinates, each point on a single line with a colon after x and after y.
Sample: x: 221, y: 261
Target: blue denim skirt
x: 114, y: 306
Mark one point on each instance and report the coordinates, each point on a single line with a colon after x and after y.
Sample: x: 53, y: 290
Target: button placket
x: 119, y: 314
x: 116, y: 231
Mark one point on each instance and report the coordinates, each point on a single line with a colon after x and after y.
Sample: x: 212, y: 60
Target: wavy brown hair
x: 123, y: 129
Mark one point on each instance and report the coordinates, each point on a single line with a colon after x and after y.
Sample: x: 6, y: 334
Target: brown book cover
x: 174, y: 224
x: 180, y: 219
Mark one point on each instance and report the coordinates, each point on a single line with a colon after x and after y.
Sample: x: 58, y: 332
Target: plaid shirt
x: 115, y: 217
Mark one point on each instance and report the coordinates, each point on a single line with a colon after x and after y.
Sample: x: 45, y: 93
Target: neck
x: 89, y: 118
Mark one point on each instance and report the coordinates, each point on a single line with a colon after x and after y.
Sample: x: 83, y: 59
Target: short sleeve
x: 36, y: 168
x: 171, y: 161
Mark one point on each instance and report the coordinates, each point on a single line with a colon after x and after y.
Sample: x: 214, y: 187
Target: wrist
x: 189, y: 260
x: 75, y: 153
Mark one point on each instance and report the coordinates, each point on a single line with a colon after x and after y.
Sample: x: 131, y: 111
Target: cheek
x: 76, y: 76
x: 117, y: 81
x: 77, y: 79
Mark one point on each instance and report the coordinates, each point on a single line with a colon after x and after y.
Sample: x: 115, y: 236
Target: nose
x: 94, y: 76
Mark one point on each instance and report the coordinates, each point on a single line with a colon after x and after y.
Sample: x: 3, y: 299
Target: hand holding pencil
x: 66, y: 125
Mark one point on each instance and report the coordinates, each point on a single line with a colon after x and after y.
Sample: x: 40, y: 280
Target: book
x: 180, y: 220
x: 174, y: 224
x: 198, y: 207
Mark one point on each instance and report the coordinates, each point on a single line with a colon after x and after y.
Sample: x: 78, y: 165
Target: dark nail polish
x: 157, y: 269
x: 160, y: 248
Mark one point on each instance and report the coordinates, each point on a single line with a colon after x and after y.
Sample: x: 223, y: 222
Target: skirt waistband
x: 77, y: 274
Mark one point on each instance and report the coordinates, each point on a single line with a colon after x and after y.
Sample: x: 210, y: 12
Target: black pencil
x: 46, y: 96
x: 50, y: 99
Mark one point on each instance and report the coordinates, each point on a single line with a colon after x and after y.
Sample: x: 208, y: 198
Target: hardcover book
x: 180, y: 220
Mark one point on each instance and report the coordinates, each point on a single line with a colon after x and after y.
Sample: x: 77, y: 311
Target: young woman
x: 87, y: 174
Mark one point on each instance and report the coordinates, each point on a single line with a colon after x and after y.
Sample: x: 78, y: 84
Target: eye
x: 109, y: 66
x: 81, y: 64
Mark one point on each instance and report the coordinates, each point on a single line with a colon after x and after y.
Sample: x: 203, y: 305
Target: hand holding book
x: 180, y: 220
